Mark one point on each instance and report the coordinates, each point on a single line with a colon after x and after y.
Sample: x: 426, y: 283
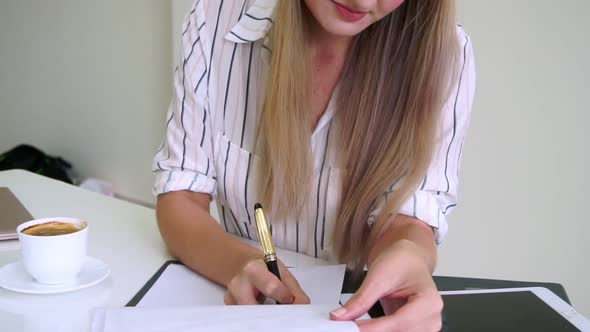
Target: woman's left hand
x: 400, y: 278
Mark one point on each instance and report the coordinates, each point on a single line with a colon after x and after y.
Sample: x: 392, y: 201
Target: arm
x: 402, y: 259
x: 185, y: 181
x: 400, y: 262
x: 195, y: 238
x: 413, y: 232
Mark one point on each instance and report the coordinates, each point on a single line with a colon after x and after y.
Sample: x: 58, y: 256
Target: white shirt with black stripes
x: 213, y: 118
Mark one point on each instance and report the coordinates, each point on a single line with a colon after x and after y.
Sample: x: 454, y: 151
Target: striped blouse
x: 213, y: 118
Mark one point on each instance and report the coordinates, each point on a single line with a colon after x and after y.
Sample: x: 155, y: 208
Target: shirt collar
x: 255, y: 23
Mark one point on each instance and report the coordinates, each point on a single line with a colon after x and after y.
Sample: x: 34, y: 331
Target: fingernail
x: 339, y: 312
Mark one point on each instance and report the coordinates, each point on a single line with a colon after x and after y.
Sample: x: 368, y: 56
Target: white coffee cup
x: 54, y: 259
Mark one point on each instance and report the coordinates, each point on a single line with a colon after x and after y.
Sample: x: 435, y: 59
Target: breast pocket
x: 237, y: 178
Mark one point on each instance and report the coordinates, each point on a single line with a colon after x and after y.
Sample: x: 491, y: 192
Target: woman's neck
x: 327, y: 55
x: 325, y: 44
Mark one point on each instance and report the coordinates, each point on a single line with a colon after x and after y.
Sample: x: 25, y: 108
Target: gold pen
x: 264, y: 236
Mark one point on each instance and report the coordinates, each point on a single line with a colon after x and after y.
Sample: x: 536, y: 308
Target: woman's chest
x: 235, y: 98
x: 238, y: 190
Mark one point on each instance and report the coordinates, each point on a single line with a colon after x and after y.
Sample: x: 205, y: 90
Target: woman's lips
x: 349, y: 14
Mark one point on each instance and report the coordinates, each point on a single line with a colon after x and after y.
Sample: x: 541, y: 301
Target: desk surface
x: 123, y: 235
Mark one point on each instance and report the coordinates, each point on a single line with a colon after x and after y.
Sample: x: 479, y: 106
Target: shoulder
x: 461, y: 94
x: 216, y: 17
x: 222, y: 9
x: 465, y: 80
x: 465, y: 64
x: 218, y: 8
x: 205, y: 25
x: 465, y: 42
x: 461, y: 33
x: 235, y: 20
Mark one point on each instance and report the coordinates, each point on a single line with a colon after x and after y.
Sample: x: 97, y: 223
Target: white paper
x: 260, y: 318
x: 323, y: 284
x: 180, y: 287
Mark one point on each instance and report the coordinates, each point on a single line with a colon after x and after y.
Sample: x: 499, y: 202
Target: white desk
x: 123, y: 235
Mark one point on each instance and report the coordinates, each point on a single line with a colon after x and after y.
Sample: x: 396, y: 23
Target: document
x: 259, y: 318
x: 178, y: 286
x: 183, y: 301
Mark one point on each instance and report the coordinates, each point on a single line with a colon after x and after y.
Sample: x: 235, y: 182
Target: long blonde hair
x: 393, y: 87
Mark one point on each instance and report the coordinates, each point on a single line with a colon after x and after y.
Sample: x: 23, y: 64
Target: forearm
x: 194, y: 237
x: 404, y: 228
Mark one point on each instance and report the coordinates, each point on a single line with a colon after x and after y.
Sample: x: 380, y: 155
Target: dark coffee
x: 52, y: 228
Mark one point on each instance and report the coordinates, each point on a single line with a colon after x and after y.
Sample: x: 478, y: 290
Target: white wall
x: 523, y: 212
x: 90, y: 81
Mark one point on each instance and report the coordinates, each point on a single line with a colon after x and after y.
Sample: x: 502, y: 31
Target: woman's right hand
x: 254, y: 282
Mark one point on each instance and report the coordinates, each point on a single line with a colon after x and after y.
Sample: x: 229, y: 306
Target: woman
x: 345, y: 118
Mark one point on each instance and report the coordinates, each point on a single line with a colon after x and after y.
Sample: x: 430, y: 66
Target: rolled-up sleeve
x: 183, y: 162
x: 437, y: 194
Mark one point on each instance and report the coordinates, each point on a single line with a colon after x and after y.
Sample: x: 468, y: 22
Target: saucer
x: 14, y: 277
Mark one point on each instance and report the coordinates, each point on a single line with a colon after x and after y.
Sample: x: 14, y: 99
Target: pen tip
x: 257, y: 206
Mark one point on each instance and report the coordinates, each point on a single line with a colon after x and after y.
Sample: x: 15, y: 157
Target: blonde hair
x: 393, y: 87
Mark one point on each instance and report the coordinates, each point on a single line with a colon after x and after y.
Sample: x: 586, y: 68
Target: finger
x: 434, y: 323
x: 242, y: 291
x: 228, y: 299
x: 291, y: 283
x: 392, y: 305
x: 260, y: 298
x: 301, y: 298
x: 360, y: 303
x: 419, y: 311
x: 271, y: 286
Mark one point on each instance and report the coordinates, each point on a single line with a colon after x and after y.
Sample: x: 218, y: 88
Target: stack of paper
x: 179, y: 286
x: 183, y: 301
x: 259, y: 318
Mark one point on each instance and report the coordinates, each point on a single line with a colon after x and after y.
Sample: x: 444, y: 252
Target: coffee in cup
x: 53, y: 249
x: 52, y: 228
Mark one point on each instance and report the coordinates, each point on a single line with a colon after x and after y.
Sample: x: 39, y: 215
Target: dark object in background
x: 34, y: 160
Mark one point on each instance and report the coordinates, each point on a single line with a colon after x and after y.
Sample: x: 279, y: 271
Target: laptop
x: 12, y: 214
